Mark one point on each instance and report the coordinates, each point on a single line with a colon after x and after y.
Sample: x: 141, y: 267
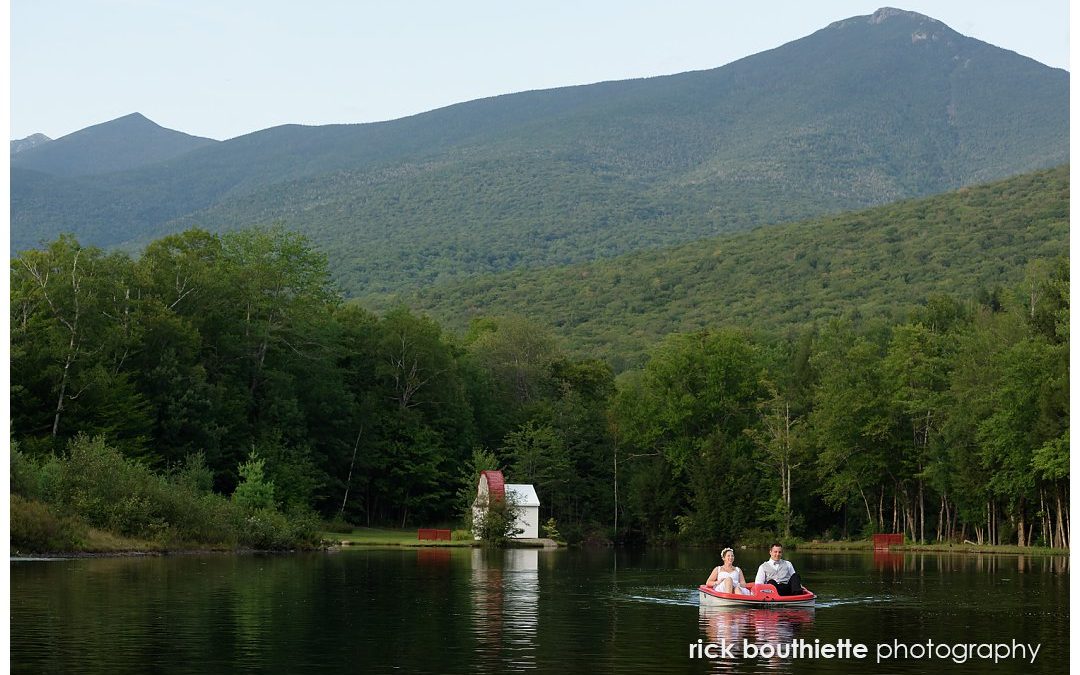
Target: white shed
x: 523, y: 497
x: 526, y: 508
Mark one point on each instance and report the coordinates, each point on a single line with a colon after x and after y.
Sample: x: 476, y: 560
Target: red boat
x: 760, y: 594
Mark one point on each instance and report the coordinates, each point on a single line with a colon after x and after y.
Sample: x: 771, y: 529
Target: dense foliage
x: 874, y: 264
x: 64, y: 502
x: 146, y: 390
x: 236, y: 348
x: 952, y: 425
x: 863, y: 112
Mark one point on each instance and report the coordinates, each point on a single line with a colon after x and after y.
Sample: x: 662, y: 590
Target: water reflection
x: 505, y: 610
x: 466, y: 611
x: 754, y: 625
x: 888, y: 560
x: 911, y: 564
x: 433, y: 557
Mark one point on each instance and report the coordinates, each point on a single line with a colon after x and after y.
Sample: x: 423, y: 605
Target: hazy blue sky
x: 228, y: 67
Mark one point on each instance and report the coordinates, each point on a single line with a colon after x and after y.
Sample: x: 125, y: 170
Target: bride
x: 727, y: 578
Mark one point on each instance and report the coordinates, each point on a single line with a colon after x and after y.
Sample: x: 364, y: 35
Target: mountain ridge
x: 20, y: 144
x: 127, y: 142
x: 844, y: 118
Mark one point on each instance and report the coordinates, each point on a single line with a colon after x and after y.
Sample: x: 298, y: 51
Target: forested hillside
x: 677, y: 306
x: 575, y: 174
x: 216, y: 389
x: 868, y: 265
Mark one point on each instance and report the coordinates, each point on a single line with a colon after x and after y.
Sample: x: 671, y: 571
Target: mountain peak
x: 888, y: 14
x: 34, y: 140
x: 135, y: 116
x: 131, y: 120
x: 124, y: 143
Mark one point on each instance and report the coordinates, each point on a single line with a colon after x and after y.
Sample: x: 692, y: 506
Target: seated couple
x: 780, y: 573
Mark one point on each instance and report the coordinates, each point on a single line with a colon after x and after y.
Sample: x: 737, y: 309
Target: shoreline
x: 868, y: 547
x: 329, y: 542
x: 16, y: 556
x: 430, y: 543
x: 330, y: 545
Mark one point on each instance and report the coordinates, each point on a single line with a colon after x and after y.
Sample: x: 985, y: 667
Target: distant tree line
x: 232, y: 358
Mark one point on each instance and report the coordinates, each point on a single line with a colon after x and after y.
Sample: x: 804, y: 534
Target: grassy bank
x: 92, y: 499
x: 91, y: 542
x: 867, y: 546
x: 374, y: 536
x: 40, y: 529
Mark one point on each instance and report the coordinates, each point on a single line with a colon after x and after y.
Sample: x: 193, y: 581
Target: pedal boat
x: 761, y: 595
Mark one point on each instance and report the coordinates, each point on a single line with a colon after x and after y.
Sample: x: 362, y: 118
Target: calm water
x: 453, y: 610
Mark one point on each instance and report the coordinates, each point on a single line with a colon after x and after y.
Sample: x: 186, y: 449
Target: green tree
x: 697, y: 395
x: 518, y: 353
x: 1013, y: 433
x: 537, y: 455
x: 916, y: 368
x: 850, y: 422
x: 482, y: 459
x: 74, y: 326
x: 778, y: 435
x: 254, y: 491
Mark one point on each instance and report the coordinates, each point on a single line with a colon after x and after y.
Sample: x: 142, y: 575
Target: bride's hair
x: 725, y: 552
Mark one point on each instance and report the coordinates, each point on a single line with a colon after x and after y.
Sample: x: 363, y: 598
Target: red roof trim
x: 496, y: 484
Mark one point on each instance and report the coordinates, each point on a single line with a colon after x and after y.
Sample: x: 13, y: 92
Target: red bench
x: 887, y: 540
x: 438, y: 535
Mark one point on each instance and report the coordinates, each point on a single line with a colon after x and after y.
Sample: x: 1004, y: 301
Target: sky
x: 225, y: 68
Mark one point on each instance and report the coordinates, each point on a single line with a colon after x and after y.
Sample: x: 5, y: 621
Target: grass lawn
x: 374, y: 536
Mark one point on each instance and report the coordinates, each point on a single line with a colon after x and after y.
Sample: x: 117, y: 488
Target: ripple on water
x: 662, y: 595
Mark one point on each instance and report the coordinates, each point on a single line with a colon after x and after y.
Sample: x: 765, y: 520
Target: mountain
x: 31, y: 141
x: 863, y: 112
x: 877, y: 263
x: 128, y: 142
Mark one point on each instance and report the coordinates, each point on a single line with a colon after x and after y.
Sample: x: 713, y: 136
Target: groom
x: 779, y: 573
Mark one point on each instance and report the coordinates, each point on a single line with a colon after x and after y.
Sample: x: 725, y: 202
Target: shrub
x: 108, y: 491
x: 97, y: 485
x: 35, y: 528
x: 551, y: 531
x: 25, y: 474
x: 339, y: 525
x: 194, y: 474
x: 303, y: 528
x: 265, y: 530
x: 496, y: 526
x: 197, y: 516
x: 269, y: 530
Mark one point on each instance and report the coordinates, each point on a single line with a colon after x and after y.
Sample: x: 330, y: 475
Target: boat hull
x: 761, y: 595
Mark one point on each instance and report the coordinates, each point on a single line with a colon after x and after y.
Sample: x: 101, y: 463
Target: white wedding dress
x: 734, y: 576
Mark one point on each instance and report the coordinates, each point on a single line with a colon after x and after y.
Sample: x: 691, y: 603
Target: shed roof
x: 495, y: 483
x: 522, y: 495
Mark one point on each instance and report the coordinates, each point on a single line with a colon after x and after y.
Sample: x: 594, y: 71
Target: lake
x: 556, y: 611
